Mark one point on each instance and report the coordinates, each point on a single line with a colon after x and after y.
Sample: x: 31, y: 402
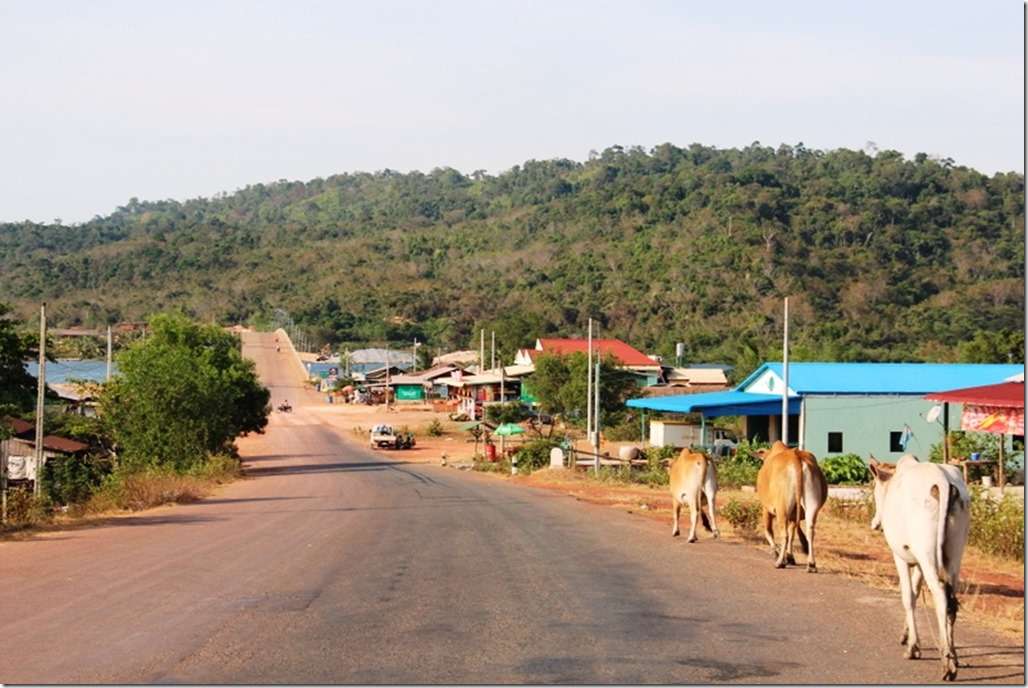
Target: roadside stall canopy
x: 714, y: 404
x: 989, y: 408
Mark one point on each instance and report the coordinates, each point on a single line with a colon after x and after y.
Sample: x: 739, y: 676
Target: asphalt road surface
x: 331, y: 564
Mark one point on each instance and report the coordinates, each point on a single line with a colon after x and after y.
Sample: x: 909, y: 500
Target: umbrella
x: 506, y: 430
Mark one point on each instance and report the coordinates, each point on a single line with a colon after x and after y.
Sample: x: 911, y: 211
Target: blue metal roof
x: 714, y: 404
x: 886, y: 378
x: 832, y: 378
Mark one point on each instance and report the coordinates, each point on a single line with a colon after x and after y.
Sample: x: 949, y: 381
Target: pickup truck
x: 384, y: 437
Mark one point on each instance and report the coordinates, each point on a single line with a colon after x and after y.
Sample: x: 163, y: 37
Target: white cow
x: 693, y: 480
x: 924, y: 511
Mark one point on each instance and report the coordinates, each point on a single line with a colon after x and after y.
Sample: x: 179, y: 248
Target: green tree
x: 561, y: 386
x: 1005, y: 346
x: 183, y: 393
x: 18, y: 388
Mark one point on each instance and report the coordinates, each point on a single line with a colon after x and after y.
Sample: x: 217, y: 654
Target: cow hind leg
x: 713, y: 515
x: 769, y: 532
x: 945, y: 612
x: 804, y: 545
x: 951, y: 620
x: 809, y: 549
x: 677, y: 510
x: 694, y: 514
x: 790, y: 536
x: 908, y: 593
x: 786, y: 558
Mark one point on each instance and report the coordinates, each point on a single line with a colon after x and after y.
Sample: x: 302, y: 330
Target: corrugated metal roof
x: 829, y: 379
x: 884, y: 378
x: 627, y: 355
x: 714, y: 404
x: 1004, y: 394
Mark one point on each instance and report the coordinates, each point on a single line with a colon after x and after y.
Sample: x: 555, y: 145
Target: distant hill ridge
x: 883, y: 258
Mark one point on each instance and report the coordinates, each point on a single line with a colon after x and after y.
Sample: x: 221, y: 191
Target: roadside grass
x: 119, y: 494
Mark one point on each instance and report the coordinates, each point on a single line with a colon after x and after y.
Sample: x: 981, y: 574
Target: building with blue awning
x: 840, y: 408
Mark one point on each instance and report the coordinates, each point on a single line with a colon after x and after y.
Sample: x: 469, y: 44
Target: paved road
x: 333, y: 565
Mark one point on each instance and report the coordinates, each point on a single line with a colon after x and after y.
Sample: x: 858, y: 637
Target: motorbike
x: 285, y: 407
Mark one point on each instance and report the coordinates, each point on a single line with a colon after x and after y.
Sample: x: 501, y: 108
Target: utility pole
x: 109, y: 353
x: 40, y: 393
x: 388, y: 377
x: 785, y: 376
x: 589, y: 394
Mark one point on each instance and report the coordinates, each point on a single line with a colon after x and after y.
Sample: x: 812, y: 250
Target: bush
x: 535, y: 455
x: 655, y: 472
x: 434, y: 429
x: 846, y: 469
x: 997, y: 525
x: 218, y: 469
x: 860, y: 510
x: 740, y: 468
x: 743, y: 516
x: 26, y: 509
x: 147, y: 489
x: 71, y: 479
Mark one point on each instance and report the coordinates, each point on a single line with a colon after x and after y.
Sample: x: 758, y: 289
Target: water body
x: 322, y: 369
x: 77, y: 369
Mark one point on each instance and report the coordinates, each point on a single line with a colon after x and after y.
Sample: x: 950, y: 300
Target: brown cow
x: 693, y: 480
x: 791, y: 486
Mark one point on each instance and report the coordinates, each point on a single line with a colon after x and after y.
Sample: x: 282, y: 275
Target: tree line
x: 883, y: 258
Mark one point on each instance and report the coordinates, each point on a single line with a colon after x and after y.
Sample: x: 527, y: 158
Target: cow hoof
x: 717, y: 535
x: 811, y: 568
x: 913, y: 652
x: 790, y: 560
x: 674, y: 534
x: 779, y: 564
x: 692, y: 539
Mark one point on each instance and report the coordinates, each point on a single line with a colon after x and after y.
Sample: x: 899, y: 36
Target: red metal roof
x: 1004, y: 394
x: 629, y: 357
x: 27, y: 432
x: 19, y: 426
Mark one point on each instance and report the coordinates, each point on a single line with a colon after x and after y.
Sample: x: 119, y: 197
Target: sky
x: 102, y: 101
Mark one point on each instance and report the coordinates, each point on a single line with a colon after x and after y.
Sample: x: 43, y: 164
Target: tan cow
x: 693, y: 481
x: 791, y: 487
x: 924, y: 511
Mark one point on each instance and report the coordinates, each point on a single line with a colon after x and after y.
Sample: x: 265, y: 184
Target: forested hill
x: 883, y: 258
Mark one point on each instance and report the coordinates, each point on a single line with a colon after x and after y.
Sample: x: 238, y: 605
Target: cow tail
x: 943, y: 492
x: 703, y: 497
x: 799, y: 508
x: 952, y: 499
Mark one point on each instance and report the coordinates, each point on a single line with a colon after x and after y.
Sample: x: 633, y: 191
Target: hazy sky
x: 105, y: 100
